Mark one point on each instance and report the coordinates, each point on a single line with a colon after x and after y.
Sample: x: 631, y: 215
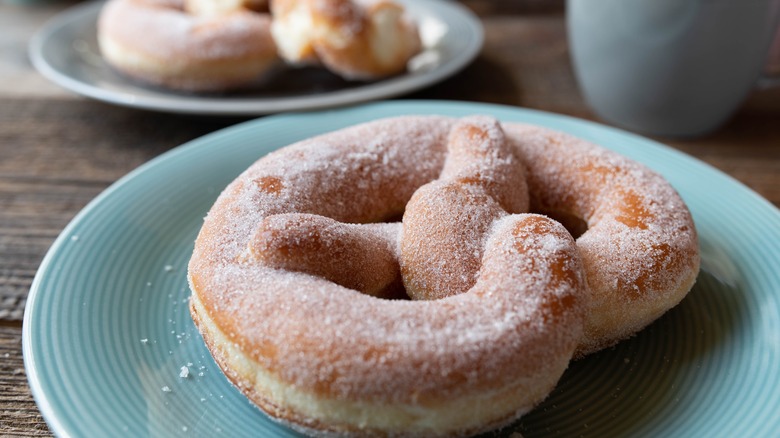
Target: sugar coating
x: 363, y: 174
x: 163, y: 30
x: 521, y: 311
x: 350, y: 255
x: 157, y: 42
x: 447, y: 220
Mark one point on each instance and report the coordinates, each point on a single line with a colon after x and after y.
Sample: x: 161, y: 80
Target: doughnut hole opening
x: 575, y: 225
x: 394, y: 218
x: 395, y: 290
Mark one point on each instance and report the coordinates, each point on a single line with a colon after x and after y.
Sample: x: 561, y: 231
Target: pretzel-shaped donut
x: 287, y: 261
x: 314, y: 352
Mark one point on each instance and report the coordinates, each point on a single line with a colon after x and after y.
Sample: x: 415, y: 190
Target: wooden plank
x: 19, y: 21
x: 19, y: 416
x: 56, y: 156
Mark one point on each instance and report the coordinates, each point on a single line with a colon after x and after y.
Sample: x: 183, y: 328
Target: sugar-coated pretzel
x: 189, y: 45
x: 356, y: 39
x: 287, y: 260
x: 283, y: 256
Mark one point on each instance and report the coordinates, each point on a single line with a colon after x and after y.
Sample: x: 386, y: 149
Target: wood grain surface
x: 59, y: 150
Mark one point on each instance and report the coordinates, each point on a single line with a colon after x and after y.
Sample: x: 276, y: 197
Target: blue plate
x: 109, y: 346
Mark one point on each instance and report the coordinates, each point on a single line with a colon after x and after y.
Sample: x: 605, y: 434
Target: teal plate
x: 110, y: 349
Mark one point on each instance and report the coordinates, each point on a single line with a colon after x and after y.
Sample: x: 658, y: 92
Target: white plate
x: 65, y: 50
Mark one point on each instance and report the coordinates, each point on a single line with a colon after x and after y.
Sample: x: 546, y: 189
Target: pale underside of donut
x: 306, y: 344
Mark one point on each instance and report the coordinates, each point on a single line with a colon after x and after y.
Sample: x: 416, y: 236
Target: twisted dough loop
x: 639, y: 244
x: 447, y: 220
x: 270, y: 274
x: 290, y: 326
x: 355, y: 256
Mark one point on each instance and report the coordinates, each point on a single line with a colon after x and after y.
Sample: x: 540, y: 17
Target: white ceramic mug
x: 669, y: 67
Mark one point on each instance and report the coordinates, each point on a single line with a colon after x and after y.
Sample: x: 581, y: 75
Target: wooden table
x: 59, y: 150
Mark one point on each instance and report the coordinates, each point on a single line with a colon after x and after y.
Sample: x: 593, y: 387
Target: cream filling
x: 388, y: 40
x: 292, y: 33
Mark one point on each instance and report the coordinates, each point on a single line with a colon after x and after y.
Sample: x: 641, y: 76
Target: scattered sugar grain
x: 166, y: 389
x: 184, y: 373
